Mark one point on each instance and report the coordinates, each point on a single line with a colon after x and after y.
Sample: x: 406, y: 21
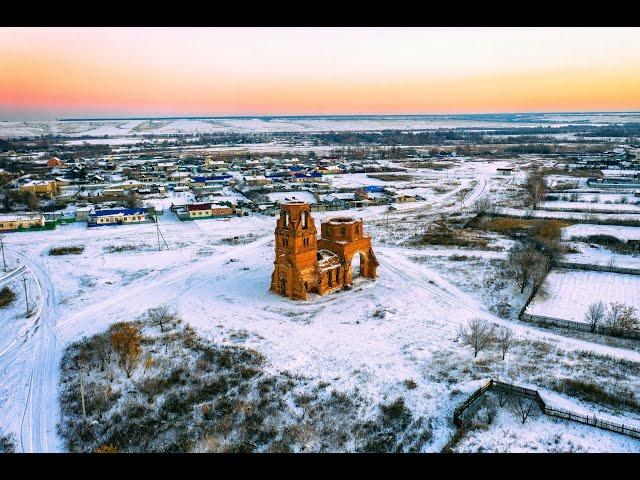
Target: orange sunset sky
x: 55, y: 72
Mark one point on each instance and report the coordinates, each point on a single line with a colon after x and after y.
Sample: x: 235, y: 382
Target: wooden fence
x: 457, y: 413
x: 599, y: 211
x: 580, y: 217
x: 573, y: 325
x: 600, y: 268
x: 547, y: 410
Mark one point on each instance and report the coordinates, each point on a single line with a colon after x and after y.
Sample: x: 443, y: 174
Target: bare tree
x: 503, y: 397
x: 101, y: 345
x: 161, y: 315
x: 478, y: 334
x: 536, y: 188
x: 621, y: 319
x: 505, y: 340
x: 523, y: 408
x: 539, y: 273
x: 131, y: 200
x: 527, y: 266
x: 546, y: 237
x: 594, y: 315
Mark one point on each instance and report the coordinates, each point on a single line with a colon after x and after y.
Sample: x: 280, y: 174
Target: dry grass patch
x: 75, y: 250
x: 6, y: 296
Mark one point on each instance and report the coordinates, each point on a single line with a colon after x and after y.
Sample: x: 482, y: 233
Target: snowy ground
x: 403, y: 326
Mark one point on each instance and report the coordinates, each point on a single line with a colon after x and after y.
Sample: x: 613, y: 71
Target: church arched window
x: 286, y: 219
x: 304, y: 220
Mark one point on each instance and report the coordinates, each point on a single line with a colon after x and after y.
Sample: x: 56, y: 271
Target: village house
x: 330, y: 170
x: 117, y: 216
x: 506, y: 171
x: 41, y: 188
x: 197, y: 211
x: 54, y: 162
x: 307, y: 264
x: 18, y: 221
x: 404, y: 198
x: 306, y: 177
x: 343, y: 200
x: 257, y: 180
x: 82, y: 213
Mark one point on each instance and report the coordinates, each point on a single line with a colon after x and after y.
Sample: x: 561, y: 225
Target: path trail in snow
x: 37, y: 425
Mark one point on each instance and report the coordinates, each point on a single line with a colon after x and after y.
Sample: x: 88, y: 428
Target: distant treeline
x: 394, y: 137
x: 521, y: 139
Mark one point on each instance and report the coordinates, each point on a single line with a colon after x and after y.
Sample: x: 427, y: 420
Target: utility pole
x: 158, y: 233
x: 4, y: 260
x: 84, y: 409
x: 26, y: 297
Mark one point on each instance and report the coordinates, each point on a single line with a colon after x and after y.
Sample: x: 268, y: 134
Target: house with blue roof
x: 117, y: 216
x: 307, y: 177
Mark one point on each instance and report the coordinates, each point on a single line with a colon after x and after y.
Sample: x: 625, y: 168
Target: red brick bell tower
x: 296, y: 252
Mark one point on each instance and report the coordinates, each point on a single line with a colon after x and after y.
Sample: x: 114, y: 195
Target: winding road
x: 37, y: 426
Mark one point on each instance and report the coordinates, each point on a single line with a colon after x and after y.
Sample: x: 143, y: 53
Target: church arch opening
x: 357, y: 264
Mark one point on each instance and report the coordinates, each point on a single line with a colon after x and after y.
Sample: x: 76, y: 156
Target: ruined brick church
x: 305, y: 264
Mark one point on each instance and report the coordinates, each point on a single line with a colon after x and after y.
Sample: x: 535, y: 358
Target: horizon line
x: 310, y: 116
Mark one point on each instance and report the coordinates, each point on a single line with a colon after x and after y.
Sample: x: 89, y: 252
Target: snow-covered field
x: 403, y: 326
x: 121, y: 128
x: 596, y: 255
x: 570, y: 292
x: 586, y: 229
x: 588, y: 207
x: 524, y: 213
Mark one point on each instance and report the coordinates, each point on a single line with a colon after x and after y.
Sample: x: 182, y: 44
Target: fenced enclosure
x: 573, y: 325
x: 534, y: 395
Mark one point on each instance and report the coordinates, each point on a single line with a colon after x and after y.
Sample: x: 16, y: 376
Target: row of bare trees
x: 479, y: 334
x: 619, y: 318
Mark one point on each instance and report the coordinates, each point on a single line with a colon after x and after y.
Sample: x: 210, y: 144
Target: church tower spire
x: 296, y: 251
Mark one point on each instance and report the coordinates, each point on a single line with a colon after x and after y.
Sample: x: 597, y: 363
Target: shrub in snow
x: 6, y: 296
x: 7, y: 443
